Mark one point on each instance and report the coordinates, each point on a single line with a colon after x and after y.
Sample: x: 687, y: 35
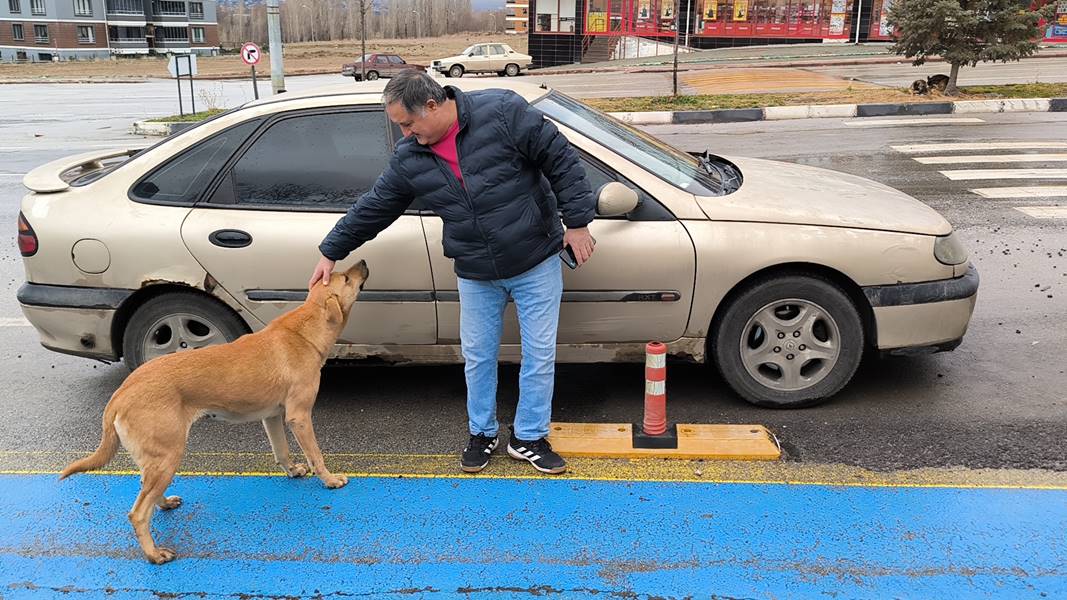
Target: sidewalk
x: 783, y: 55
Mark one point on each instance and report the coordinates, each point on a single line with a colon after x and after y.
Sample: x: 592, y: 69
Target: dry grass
x: 300, y: 59
x: 848, y: 96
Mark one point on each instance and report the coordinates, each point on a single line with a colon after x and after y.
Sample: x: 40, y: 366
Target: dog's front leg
x: 275, y: 428
x: 300, y: 423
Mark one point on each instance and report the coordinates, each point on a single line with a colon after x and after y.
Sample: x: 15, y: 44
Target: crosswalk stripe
x: 963, y: 146
x: 1022, y: 192
x: 970, y: 174
x: 1044, y: 212
x: 989, y: 158
x: 868, y: 122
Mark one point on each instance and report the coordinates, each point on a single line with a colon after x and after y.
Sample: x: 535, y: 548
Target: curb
x: 158, y: 129
x: 823, y: 111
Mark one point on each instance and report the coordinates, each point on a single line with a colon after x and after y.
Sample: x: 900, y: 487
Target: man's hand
x: 322, y: 272
x: 581, y: 242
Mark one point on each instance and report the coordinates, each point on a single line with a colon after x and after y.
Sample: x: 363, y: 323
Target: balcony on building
x: 120, y: 10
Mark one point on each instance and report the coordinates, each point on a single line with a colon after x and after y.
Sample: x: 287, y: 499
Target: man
x: 493, y: 168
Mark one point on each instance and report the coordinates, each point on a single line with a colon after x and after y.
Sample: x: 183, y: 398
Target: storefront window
x: 556, y: 16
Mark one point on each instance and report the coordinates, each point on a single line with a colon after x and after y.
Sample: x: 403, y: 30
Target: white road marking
x: 14, y: 322
x: 1022, y: 192
x: 12, y: 175
x: 989, y: 158
x: 1044, y: 212
x: 868, y: 122
x: 970, y: 174
x: 916, y: 148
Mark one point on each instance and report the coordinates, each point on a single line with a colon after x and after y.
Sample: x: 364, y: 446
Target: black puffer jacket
x: 515, y: 166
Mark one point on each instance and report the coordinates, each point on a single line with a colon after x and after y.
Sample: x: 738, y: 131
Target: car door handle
x: 230, y: 238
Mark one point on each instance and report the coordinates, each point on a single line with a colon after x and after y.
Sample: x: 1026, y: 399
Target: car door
x: 382, y: 66
x: 258, y: 232
x: 480, y: 60
x: 497, y: 57
x: 637, y: 287
x: 396, y: 65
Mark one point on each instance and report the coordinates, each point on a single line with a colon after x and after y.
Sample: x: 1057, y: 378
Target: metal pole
x: 274, y: 37
x: 178, y: 80
x: 255, y: 88
x: 192, y: 96
x: 677, y: 22
x: 688, y: 11
x: 859, y: 20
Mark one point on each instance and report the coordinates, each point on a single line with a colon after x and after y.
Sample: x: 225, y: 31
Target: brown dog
x: 269, y: 375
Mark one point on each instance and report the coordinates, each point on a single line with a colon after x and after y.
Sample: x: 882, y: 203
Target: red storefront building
x: 572, y: 31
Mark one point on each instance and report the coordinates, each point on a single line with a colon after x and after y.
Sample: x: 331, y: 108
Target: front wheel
x: 175, y: 322
x: 789, y: 341
x: 455, y: 71
x: 511, y: 70
x: 372, y: 75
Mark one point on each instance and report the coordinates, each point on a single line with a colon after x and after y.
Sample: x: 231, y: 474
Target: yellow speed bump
x: 618, y: 440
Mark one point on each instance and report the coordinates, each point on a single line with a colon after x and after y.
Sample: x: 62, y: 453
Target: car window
x: 648, y: 208
x: 496, y: 50
x: 479, y: 50
x: 381, y: 60
x: 321, y: 161
x: 396, y: 60
x: 183, y: 178
x: 662, y: 160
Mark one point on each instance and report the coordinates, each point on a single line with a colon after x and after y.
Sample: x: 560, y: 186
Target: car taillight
x: 27, y: 238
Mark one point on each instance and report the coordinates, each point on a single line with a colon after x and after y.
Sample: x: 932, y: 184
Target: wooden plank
x: 695, y: 441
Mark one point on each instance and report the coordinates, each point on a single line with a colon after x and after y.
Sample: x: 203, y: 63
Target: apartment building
x: 517, y: 16
x: 51, y: 30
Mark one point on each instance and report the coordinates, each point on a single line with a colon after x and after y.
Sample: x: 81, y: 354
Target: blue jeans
x: 537, y: 294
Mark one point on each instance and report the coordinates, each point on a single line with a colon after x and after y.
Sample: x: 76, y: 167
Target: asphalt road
x: 996, y: 402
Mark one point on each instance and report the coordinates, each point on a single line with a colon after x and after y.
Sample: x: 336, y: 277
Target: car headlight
x: 949, y: 250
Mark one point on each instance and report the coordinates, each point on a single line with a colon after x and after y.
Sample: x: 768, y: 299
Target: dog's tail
x: 109, y: 444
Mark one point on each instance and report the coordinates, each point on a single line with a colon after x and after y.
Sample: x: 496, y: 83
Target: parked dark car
x: 377, y: 65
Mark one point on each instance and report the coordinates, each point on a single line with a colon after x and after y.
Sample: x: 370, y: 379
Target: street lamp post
x: 418, y: 29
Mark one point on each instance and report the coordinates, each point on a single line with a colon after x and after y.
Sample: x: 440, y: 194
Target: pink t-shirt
x: 446, y: 149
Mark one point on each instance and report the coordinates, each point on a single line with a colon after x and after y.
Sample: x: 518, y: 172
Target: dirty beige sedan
x: 782, y: 275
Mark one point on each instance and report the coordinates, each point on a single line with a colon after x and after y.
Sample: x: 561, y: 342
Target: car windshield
x: 677, y: 168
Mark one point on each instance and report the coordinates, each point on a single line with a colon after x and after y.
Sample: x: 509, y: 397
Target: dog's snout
x: 363, y: 269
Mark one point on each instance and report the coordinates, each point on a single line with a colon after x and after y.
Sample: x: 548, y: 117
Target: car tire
x: 455, y: 71
x: 372, y: 75
x: 788, y: 341
x: 356, y: 77
x: 162, y: 324
x: 511, y: 70
x: 501, y: 73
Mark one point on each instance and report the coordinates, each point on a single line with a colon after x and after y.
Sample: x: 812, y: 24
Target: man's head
x: 419, y: 106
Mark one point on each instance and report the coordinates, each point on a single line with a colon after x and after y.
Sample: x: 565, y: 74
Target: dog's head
x: 337, y: 297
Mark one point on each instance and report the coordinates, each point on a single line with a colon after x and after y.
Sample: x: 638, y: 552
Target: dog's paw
x: 336, y: 481
x: 297, y: 470
x: 171, y: 502
x: 162, y: 555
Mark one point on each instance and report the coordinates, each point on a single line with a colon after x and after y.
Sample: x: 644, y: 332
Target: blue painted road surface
x: 513, y: 538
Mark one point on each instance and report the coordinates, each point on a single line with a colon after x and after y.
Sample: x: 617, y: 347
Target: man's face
x: 426, y: 127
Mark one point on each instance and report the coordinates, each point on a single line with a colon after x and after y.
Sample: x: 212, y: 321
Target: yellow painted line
x: 445, y: 466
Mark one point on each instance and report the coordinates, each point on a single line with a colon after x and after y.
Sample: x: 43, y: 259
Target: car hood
x: 456, y: 58
x: 781, y: 192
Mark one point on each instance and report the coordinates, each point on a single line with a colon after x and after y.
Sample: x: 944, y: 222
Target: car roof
x: 369, y: 92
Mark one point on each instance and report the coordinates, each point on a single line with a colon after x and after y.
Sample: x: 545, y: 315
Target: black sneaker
x: 539, y: 453
x: 476, y: 454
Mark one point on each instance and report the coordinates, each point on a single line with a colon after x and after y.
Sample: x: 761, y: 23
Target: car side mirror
x: 615, y: 199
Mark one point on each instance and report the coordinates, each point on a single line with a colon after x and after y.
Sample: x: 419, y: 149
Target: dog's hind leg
x: 275, y: 428
x: 156, y: 475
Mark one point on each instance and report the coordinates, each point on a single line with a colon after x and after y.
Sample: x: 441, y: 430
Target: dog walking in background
x: 271, y: 375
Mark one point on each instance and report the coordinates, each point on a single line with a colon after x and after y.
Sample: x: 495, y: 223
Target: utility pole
x: 363, y: 39
x: 677, y: 26
x: 274, y: 37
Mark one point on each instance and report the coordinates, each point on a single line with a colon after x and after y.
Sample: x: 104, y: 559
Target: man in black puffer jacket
x: 498, y: 174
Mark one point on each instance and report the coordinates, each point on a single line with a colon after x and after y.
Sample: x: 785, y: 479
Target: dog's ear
x: 334, y: 314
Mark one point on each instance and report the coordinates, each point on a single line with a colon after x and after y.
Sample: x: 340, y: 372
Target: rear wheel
x: 789, y: 341
x: 175, y: 322
x: 511, y: 70
x: 456, y: 71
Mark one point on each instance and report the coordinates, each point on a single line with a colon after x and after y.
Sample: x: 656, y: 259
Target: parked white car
x: 484, y: 58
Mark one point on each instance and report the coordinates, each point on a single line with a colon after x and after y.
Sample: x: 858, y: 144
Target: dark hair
x: 413, y: 89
